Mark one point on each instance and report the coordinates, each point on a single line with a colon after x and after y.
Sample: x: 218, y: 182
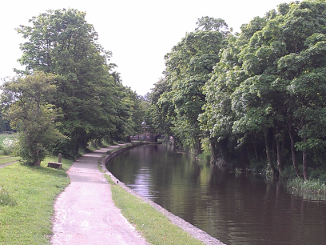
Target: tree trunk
x: 255, y: 149
x: 198, y: 146
x: 279, y: 151
x: 37, y: 162
x: 279, y: 156
x: 294, y: 161
x: 214, y: 150
x: 305, y: 161
x: 268, y: 155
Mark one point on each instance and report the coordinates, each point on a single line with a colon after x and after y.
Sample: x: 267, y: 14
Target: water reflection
x: 236, y: 209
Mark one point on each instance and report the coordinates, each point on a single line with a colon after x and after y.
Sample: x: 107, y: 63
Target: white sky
x: 138, y: 32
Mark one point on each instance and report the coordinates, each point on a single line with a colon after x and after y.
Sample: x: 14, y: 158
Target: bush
x: 9, y: 146
x: 308, y: 185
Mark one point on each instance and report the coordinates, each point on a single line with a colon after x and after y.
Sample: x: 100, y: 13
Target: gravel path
x: 85, y: 212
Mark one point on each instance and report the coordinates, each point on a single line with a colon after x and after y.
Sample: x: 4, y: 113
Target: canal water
x: 236, y: 209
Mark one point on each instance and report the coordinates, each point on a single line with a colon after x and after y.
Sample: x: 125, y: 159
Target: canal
x: 236, y: 209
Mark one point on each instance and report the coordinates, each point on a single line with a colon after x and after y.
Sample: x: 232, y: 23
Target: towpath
x: 85, y: 212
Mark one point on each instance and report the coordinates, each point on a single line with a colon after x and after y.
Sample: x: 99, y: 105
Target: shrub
x: 307, y: 185
x: 9, y: 146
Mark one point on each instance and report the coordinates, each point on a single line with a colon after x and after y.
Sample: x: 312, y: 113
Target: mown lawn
x: 27, y: 195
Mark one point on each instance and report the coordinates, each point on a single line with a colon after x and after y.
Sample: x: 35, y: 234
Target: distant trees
x: 259, y: 95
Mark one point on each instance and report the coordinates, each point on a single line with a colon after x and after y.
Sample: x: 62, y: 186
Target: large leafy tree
x: 188, y: 68
x: 285, y: 62
x: 218, y: 117
x: 269, y: 85
x: 25, y: 104
x: 61, y: 42
x: 129, y: 113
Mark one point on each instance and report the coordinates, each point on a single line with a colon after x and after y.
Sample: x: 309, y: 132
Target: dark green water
x: 236, y: 209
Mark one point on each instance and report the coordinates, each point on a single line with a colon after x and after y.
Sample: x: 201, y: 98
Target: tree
x: 61, y: 42
x: 161, y: 108
x: 129, y: 113
x: 188, y: 68
x: 218, y: 117
x: 269, y: 84
x: 212, y: 24
x: 25, y: 104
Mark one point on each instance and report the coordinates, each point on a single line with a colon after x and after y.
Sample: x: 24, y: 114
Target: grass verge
x: 153, y: 225
x: 9, y: 159
x: 28, y: 194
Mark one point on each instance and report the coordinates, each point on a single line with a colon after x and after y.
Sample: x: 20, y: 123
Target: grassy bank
x: 153, y: 225
x: 27, y: 195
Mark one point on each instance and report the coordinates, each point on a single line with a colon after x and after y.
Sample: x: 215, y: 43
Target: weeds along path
x: 85, y: 212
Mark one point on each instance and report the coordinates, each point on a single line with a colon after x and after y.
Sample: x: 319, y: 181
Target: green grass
x: 153, y: 225
x: 29, y: 192
x: 8, y: 159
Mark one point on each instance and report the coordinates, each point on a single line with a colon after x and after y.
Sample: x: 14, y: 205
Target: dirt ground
x: 85, y: 212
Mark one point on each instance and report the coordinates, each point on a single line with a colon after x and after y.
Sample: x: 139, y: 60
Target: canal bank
x: 234, y: 208
x: 85, y: 212
x: 184, y: 225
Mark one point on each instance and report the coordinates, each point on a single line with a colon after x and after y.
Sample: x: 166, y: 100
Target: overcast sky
x: 138, y: 32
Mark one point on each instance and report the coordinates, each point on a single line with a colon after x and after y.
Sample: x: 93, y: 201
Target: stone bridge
x: 147, y: 135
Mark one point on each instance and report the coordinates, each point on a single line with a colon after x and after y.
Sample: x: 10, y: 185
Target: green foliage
x: 259, y: 95
x: 25, y: 102
x: 307, y: 185
x: 94, y: 104
x: 9, y: 146
x: 268, y: 87
x: 179, y: 98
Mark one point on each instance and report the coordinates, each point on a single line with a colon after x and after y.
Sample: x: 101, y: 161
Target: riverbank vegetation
x: 258, y: 96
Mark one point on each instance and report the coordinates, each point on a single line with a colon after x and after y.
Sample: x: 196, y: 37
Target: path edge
x: 186, y: 226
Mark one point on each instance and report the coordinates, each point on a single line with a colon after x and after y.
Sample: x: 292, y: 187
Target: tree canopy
x: 257, y: 95
x: 90, y: 96
x: 188, y: 68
